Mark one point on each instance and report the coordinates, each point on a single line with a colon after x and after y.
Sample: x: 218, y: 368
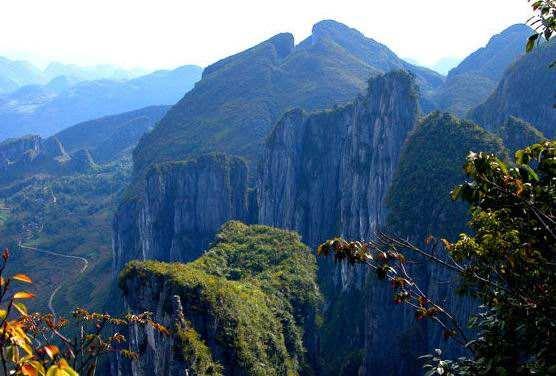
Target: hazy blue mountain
x: 91, y: 73
x: 45, y: 110
x: 110, y: 137
x: 17, y: 73
x: 239, y: 98
x: 476, y: 77
x: 526, y: 91
x: 14, y: 74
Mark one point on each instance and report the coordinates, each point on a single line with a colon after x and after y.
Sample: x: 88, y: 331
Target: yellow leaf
x: 53, y: 371
x: 22, y: 278
x: 21, y: 308
x: 25, y: 346
x: 23, y: 295
x: 51, y: 351
x: 3, y: 314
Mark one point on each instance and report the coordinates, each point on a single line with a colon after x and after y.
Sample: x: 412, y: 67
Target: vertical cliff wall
x: 182, y: 207
x: 327, y: 174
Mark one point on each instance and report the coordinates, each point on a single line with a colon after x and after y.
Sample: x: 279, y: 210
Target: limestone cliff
x: 183, y: 205
x: 327, y: 174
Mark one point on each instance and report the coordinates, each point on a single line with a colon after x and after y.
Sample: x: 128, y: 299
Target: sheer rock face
x: 327, y: 174
x: 184, y: 204
x: 159, y: 355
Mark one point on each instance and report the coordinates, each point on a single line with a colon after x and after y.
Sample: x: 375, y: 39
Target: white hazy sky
x: 167, y: 33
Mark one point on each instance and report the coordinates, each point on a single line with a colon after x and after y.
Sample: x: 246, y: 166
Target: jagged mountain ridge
x: 239, y: 98
x: 325, y: 174
x: 31, y: 155
x: 310, y: 180
x: 76, y: 149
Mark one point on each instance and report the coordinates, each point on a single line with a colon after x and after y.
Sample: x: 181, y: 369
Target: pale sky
x: 168, y: 33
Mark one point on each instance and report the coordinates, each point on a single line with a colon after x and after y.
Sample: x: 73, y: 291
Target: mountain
x: 239, y: 98
x: 435, y: 152
x: 97, y: 72
x: 45, y: 110
x: 248, y: 306
x: 30, y: 155
x: 14, y: 74
x: 526, y: 91
x: 476, y: 77
x: 322, y: 174
x: 110, y: 137
x: 17, y: 73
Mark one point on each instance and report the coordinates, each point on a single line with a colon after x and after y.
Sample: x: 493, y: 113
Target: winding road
x: 78, y: 258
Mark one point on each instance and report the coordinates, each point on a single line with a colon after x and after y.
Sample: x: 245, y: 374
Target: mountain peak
x: 283, y: 44
x: 330, y: 25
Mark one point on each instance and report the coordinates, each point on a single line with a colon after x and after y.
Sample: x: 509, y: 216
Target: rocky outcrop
x: 183, y: 205
x: 327, y: 174
x: 31, y: 155
x: 248, y: 306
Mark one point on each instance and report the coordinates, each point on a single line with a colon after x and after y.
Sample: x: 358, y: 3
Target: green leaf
x: 531, y: 42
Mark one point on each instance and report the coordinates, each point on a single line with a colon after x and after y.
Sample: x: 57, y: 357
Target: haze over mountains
x: 65, y: 101
x: 334, y: 135
x: 17, y: 73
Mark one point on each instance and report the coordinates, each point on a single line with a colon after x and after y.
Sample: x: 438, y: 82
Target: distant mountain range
x: 63, y: 102
x: 111, y: 137
x: 76, y: 149
x: 14, y: 74
x: 17, y: 73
